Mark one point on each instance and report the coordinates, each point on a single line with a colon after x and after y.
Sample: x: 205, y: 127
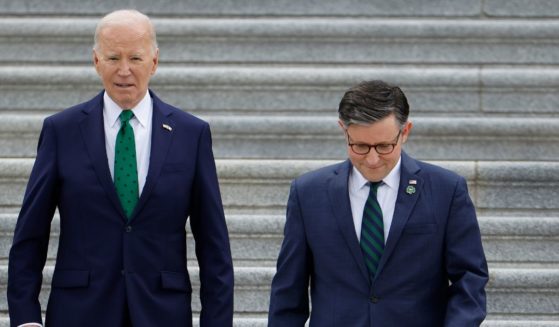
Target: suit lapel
x: 160, y: 141
x: 339, y: 199
x: 93, y: 133
x: 405, y: 203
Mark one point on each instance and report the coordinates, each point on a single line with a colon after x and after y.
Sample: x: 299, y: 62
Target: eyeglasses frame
x: 373, y: 145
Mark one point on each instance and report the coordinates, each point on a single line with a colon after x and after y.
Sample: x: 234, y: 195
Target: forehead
x: 135, y: 36
x: 382, y: 131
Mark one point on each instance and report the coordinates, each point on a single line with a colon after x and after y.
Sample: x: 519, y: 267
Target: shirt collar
x: 392, y: 180
x: 141, y: 110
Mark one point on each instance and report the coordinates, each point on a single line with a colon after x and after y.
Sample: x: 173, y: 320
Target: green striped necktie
x: 372, y: 231
x: 125, y: 170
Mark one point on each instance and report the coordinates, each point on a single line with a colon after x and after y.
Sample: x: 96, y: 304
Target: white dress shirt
x: 141, y: 124
x: 387, y: 193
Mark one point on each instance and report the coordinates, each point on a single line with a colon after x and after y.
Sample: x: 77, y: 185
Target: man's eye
x: 113, y: 58
x: 384, y: 146
x: 361, y: 147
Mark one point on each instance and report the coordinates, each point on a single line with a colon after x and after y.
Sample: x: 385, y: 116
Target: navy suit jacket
x: 106, y: 263
x: 432, y: 273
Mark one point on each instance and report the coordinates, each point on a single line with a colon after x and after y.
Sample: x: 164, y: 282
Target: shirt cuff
x: 28, y: 324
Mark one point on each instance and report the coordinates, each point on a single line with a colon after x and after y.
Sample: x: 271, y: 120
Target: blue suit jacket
x: 432, y: 273
x: 105, y: 263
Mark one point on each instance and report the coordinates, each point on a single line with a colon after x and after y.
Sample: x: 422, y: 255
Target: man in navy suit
x: 381, y: 239
x: 125, y: 171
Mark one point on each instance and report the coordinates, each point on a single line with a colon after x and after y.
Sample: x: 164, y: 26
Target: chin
x: 125, y: 98
x: 377, y: 176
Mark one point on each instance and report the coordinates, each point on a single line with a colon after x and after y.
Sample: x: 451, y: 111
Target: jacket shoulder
x: 186, y: 117
x: 180, y: 116
x: 319, y: 176
x: 439, y: 175
x: 69, y: 115
x: 438, y: 170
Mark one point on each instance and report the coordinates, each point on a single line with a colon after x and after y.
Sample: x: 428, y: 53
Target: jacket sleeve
x: 31, y: 236
x: 209, y: 229
x: 466, y: 265
x: 289, y: 301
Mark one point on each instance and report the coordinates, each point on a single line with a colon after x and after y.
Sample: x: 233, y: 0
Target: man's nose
x: 372, y: 157
x: 124, y: 68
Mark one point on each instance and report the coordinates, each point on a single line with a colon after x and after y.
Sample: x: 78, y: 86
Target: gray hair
x: 120, y: 17
x: 371, y: 101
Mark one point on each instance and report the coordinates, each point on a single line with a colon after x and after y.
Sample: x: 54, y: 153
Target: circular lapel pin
x: 410, y: 189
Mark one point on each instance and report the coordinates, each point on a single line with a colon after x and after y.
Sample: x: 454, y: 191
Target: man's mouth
x: 123, y: 85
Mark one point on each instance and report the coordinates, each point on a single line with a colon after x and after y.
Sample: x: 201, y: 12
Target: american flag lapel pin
x: 167, y: 127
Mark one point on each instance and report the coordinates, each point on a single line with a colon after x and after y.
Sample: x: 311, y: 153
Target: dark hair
x: 372, y: 101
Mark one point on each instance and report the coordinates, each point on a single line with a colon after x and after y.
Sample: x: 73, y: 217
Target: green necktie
x: 125, y: 171
x: 372, y: 231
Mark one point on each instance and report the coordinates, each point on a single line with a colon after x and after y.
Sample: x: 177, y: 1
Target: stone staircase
x: 482, y: 78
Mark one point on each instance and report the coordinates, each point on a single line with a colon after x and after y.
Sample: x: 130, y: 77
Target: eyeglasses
x: 382, y: 148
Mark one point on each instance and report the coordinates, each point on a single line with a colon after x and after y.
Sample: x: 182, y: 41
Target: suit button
x: 122, y: 272
x: 374, y: 299
x: 128, y: 229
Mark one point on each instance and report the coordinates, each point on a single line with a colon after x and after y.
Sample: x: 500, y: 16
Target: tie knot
x: 126, y: 115
x: 374, y: 187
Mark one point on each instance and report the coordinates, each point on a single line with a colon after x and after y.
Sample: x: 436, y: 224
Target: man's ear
x: 155, y: 61
x: 95, y: 60
x: 406, y: 131
x: 342, y: 125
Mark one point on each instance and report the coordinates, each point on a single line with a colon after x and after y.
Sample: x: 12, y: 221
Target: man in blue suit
x: 125, y: 171
x: 382, y: 240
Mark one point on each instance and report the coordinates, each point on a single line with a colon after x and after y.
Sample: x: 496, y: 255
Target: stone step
x: 298, y: 40
x: 298, y: 90
x: 251, y: 185
x: 372, y: 8
x: 287, y: 137
x: 511, y: 291
x: 256, y: 239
